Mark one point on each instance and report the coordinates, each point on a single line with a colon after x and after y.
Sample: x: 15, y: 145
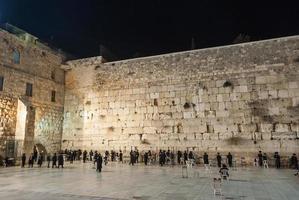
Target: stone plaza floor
x: 120, y: 181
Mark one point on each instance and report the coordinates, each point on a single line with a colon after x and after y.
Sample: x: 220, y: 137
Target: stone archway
x: 24, y: 134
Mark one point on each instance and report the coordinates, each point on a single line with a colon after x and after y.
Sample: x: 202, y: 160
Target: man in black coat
x: 145, y: 158
x: 60, y: 161
x: 48, y: 160
x: 277, y: 160
x: 54, y: 160
x: 205, y: 159
x: 260, y: 156
x: 294, y: 161
x: 23, y: 160
x: 229, y: 159
x: 99, y: 163
x: 218, y: 157
x: 185, y: 157
x: 120, y: 156
x: 84, y: 156
x: 90, y: 155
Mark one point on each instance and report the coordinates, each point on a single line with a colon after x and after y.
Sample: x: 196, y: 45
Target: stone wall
x: 240, y: 98
x: 39, y: 66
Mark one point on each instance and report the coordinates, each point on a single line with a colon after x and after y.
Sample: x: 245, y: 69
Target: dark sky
x: 131, y: 28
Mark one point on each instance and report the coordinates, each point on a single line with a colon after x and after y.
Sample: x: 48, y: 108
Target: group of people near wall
x: 148, y: 157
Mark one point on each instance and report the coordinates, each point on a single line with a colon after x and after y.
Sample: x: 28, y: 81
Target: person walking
x: 99, y: 163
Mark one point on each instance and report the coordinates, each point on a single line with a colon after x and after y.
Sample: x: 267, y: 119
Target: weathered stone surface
x: 239, y: 98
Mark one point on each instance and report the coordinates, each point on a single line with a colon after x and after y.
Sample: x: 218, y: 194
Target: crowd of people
x: 163, y: 157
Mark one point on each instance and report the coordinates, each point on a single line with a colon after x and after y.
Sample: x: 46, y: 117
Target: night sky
x: 134, y: 28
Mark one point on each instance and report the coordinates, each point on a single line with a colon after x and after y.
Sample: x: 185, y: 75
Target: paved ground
x: 80, y: 181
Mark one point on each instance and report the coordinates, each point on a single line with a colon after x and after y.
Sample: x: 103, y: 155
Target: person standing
x: 90, y: 155
x: 132, y: 157
x: 179, y: 157
x: 206, y: 160
x: 185, y: 156
x: 145, y: 158
x: 31, y: 161
x: 294, y: 161
x: 23, y: 160
x: 54, y: 160
x: 277, y: 160
x: 60, y: 160
x: 84, y: 156
x: 229, y: 159
x: 137, y: 155
x: 120, y: 156
x: 260, y: 157
x: 48, y: 160
x: 218, y: 157
x: 95, y: 158
x: 40, y: 160
x: 99, y: 163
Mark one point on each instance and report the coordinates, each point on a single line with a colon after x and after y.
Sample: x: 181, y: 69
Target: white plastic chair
x: 217, y: 186
x: 265, y: 163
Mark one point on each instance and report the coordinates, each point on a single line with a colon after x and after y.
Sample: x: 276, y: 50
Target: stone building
x: 31, y: 94
x: 240, y: 98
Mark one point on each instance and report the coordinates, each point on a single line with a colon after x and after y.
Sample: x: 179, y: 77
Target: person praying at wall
x: 218, y: 157
x: 229, y: 159
x: 84, y: 156
x: 277, y: 160
x: 191, y: 156
x: 99, y: 161
x: 60, y: 160
x: 31, y: 160
x: 260, y: 158
x: 54, y: 160
x: 90, y: 155
x: 179, y: 157
x: 120, y: 156
x: 23, y: 160
x: 48, y: 160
